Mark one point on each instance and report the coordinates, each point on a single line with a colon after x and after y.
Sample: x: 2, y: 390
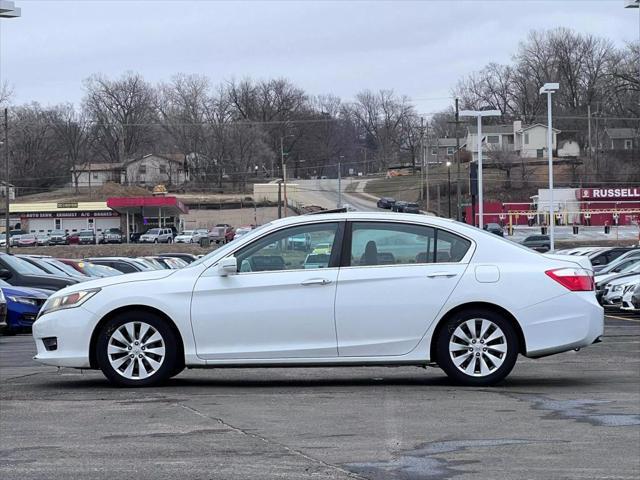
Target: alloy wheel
x: 136, y: 350
x: 478, y: 347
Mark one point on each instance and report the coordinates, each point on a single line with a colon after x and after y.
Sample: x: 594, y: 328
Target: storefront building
x: 68, y: 216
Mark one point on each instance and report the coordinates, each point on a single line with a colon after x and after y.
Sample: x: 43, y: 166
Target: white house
x: 4, y: 186
x: 148, y: 170
x: 527, y: 141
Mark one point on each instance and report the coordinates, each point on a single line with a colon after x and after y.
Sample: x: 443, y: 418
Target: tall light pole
x: 479, y: 114
x: 550, y: 88
x: 7, y: 10
x: 634, y: 4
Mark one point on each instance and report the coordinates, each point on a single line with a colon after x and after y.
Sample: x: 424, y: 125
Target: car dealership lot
x: 573, y: 415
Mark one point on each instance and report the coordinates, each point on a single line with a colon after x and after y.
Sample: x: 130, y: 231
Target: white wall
x: 45, y: 225
x: 537, y: 140
x: 97, y: 178
x: 153, y: 176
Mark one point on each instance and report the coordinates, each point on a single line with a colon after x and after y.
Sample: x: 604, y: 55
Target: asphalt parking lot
x: 574, y: 415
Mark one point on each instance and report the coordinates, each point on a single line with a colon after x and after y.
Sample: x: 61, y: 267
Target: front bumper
x: 72, y: 328
x: 570, y: 321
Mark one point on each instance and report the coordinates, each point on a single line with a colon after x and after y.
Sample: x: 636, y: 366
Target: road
x: 324, y: 192
x: 573, y: 415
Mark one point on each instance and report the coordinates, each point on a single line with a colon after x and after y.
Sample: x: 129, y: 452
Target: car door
x: 273, y: 307
x: 393, y: 284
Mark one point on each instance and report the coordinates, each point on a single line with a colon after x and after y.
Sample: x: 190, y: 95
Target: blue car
x: 23, y: 305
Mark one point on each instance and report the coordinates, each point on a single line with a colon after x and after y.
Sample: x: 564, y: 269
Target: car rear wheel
x: 137, y: 349
x: 477, y: 347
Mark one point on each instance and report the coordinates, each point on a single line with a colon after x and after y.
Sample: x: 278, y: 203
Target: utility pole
x: 340, y: 181
x: 589, y: 127
x: 7, y: 190
x: 284, y: 174
x: 426, y: 165
x: 421, y: 159
x: 279, y: 198
x: 458, y: 194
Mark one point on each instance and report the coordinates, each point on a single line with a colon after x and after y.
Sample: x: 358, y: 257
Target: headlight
x: 25, y: 300
x: 617, y: 288
x: 70, y: 300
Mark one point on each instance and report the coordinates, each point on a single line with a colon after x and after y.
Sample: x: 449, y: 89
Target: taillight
x: 574, y: 279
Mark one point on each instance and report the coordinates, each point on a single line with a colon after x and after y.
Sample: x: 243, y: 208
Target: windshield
x: 22, y: 266
x: 72, y: 272
x: 187, y: 233
x: 153, y: 231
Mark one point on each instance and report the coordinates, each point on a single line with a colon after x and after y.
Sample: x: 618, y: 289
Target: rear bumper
x: 570, y: 321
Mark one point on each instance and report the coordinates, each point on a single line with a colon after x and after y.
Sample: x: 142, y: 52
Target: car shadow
x: 186, y: 382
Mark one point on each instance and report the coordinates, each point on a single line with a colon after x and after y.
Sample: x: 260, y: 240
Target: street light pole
x: 479, y: 114
x: 550, y: 88
x: 7, y: 189
x: 449, y: 186
x: 7, y: 10
x: 284, y: 174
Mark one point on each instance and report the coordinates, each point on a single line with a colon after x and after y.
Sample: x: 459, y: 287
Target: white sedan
x: 398, y: 289
x: 189, y: 236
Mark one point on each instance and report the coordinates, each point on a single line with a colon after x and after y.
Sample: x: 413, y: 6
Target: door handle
x: 441, y: 274
x: 315, y: 281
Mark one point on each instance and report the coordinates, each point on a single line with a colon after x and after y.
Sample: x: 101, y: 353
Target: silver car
x: 157, y: 235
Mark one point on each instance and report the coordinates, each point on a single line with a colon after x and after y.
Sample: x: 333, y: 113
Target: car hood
x: 118, y: 279
x: 184, y: 236
x: 623, y: 278
x: 24, y: 292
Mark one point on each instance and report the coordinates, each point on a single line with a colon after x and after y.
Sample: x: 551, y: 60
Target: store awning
x: 148, y: 206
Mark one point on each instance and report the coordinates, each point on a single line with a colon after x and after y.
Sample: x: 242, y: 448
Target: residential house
x: 620, y: 139
x: 526, y: 141
x: 444, y: 149
x: 148, y: 170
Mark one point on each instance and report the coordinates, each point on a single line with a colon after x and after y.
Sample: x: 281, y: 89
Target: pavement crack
x: 268, y: 441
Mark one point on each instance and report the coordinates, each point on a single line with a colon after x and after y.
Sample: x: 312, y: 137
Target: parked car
x: 122, y: 264
x: 539, y: 243
x: 607, y: 255
x: 87, y: 237
x: 317, y: 260
x: 602, y: 277
x: 187, y: 257
x: 27, y: 240
x: 398, y: 206
x: 494, y: 228
x: 111, y: 235
x: 631, y: 254
x: 386, y: 202
x: 42, y: 239
x: 631, y: 299
x: 157, y: 235
x: 411, y: 207
x: 241, y: 231
x: 13, y: 240
x: 299, y: 242
x: 3, y: 312
x: 229, y: 233
x: 17, y: 271
x: 169, y: 263
x: 615, y: 289
x: 190, y: 236
x: 474, y: 322
x: 22, y: 306
x: 73, y: 239
x: 218, y: 235
x: 58, y: 237
x: 90, y: 269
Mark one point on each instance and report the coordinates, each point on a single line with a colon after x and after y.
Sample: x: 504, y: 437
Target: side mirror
x: 5, y: 274
x: 228, y: 266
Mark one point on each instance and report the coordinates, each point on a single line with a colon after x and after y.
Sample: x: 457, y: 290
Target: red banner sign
x: 622, y: 193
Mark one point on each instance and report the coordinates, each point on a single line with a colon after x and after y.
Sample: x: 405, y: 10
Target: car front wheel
x: 137, y: 349
x: 477, y: 347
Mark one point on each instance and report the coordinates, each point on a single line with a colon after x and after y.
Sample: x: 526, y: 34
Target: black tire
x: 169, y: 364
x: 443, y: 356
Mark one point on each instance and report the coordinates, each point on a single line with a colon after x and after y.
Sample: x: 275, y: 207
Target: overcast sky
x: 417, y: 48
